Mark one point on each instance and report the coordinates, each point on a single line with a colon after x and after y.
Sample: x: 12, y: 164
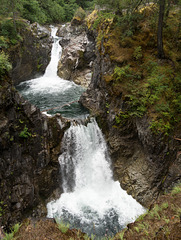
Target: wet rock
x: 31, y: 57
x: 29, y: 148
x: 77, y: 55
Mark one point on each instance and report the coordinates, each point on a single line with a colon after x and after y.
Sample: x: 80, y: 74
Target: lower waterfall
x: 92, y: 201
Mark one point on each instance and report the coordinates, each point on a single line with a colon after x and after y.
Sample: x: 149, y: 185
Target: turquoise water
x: 51, y: 91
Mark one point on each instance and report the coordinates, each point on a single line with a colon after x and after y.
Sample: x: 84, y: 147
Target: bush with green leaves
x: 15, y: 228
x: 43, y: 11
x: 32, y: 11
x: 62, y: 226
x: 122, y: 73
x: 80, y: 14
x: 5, y: 65
x: 25, y: 133
x: 159, y: 94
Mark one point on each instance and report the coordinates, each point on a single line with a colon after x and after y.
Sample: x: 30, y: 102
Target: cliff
x: 29, y: 148
x: 31, y: 55
x: 125, y: 97
x: 29, y: 140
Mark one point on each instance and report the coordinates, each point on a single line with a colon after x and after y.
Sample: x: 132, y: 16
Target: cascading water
x: 92, y: 200
x: 50, y: 91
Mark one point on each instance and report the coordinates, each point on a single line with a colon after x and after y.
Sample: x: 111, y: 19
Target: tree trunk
x: 160, y: 30
x: 168, y: 9
x: 14, y: 14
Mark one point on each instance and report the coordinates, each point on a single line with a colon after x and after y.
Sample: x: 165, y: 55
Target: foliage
x: 158, y: 94
x: 43, y: 11
x: 9, y: 33
x: 176, y: 190
x: 102, y: 17
x: 63, y: 227
x: 24, y: 133
x: 120, y: 74
x: 9, y: 236
x: 80, y: 14
x: 138, y: 53
x: 129, y: 23
x: 5, y: 65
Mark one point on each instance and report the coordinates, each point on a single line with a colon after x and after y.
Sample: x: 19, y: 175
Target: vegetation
x: 160, y: 222
x: 14, y: 230
x: 80, y: 14
x: 5, y: 65
x: 42, y: 11
x: 148, y: 85
x: 25, y: 133
x: 63, y: 227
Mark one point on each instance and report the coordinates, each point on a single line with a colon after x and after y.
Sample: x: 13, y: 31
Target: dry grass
x: 45, y: 229
x: 162, y: 222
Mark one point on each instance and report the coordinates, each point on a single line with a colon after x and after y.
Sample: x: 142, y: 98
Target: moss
x: 91, y: 18
x: 149, y: 83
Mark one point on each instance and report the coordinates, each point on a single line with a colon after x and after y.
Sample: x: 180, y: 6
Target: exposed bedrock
x: 29, y: 149
x: 77, y: 54
x: 144, y: 163
x: 31, y: 57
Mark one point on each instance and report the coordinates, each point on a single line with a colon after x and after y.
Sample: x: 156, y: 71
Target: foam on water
x: 92, y: 200
x: 49, y: 90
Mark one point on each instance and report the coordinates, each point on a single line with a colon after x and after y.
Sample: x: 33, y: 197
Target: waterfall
x: 92, y: 200
x: 51, y: 70
x: 49, y: 90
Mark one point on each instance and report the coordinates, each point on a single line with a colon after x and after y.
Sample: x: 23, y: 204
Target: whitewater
x: 91, y: 200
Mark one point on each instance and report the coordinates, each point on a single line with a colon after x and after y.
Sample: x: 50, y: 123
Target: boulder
x: 77, y: 55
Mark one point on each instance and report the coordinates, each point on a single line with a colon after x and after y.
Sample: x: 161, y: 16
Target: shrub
x: 63, y: 227
x: 138, y: 53
x: 122, y: 73
x: 5, y: 65
x: 25, y: 133
x: 80, y: 14
x: 9, y: 32
x: 9, y: 236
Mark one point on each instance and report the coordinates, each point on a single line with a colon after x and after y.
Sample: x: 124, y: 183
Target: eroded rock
x: 29, y: 148
x: 77, y: 55
x: 143, y: 162
x: 31, y: 57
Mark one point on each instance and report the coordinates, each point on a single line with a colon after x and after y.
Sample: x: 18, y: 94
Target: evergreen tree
x: 160, y: 29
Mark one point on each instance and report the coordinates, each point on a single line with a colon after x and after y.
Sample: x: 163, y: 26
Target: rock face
x: 144, y: 164
x: 32, y: 56
x: 29, y: 148
x: 77, y: 55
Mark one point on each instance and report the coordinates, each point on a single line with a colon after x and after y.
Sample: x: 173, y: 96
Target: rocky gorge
x: 145, y: 164
x: 30, y: 140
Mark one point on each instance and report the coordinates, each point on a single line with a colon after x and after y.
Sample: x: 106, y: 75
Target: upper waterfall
x: 50, y: 90
x: 51, y: 70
